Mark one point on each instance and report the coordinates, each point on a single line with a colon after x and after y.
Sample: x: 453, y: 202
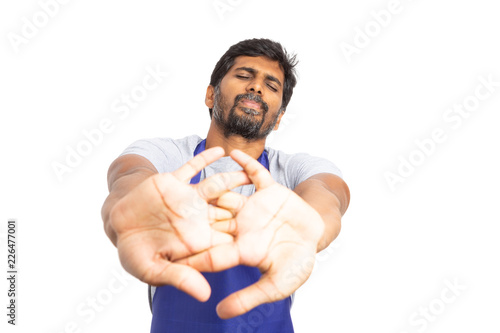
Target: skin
x: 152, y: 225
x: 240, y: 81
x: 275, y: 230
x: 145, y: 215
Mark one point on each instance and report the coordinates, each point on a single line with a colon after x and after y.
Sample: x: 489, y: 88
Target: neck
x: 216, y: 138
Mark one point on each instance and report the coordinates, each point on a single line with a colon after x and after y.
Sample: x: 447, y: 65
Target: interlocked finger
x: 232, y: 201
x: 257, y: 173
x: 215, y: 259
x: 216, y: 214
x: 197, y: 163
x: 218, y: 184
x: 228, y: 226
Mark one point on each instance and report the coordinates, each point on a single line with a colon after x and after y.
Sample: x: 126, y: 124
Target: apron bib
x: 176, y: 312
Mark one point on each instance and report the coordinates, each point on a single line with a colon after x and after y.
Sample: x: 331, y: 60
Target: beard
x: 246, y: 125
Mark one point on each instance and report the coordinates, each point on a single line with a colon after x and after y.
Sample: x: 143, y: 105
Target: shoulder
x: 292, y: 169
x: 166, y: 154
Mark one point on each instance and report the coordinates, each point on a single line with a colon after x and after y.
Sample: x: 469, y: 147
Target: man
x: 180, y: 207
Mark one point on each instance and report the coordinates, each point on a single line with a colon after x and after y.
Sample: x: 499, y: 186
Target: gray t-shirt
x: 288, y: 170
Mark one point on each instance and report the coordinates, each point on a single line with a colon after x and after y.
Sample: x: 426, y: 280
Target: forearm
x: 329, y: 196
x: 124, y: 175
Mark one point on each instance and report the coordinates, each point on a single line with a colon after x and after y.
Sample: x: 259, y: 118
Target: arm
x: 329, y: 195
x: 124, y: 174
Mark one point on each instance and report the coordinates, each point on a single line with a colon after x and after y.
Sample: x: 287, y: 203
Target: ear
x: 209, y: 97
x: 277, y: 125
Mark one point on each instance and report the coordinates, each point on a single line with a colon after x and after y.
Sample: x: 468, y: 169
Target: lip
x: 250, y: 104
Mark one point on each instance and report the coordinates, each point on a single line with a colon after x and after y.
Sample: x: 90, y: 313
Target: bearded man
x: 225, y: 229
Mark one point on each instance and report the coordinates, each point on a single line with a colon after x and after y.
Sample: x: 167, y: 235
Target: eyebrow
x: 254, y: 71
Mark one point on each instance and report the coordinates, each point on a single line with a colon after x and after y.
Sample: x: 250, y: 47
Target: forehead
x: 262, y: 65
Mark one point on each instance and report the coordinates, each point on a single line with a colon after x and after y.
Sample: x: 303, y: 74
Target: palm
x: 164, y: 219
x: 272, y: 235
x: 275, y: 230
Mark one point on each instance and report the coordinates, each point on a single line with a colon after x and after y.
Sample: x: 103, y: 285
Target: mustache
x: 251, y: 97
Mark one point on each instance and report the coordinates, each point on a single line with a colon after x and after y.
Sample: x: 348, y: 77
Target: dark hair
x: 255, y: 48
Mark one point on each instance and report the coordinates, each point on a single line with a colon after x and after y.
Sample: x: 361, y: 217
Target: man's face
x: 248, y: 99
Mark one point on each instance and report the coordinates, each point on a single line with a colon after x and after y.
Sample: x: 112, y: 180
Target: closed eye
x: 242, y: 77
x: 272, y: 88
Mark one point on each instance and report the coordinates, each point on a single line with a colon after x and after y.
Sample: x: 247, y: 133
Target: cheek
x: 230, y: 87
x: 274, y: 104
x: 228, y: 96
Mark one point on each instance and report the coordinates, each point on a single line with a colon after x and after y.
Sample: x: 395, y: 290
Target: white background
x: 397, y: 248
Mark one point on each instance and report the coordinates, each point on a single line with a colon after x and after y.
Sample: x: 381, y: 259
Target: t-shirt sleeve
x: 296, y: 168
x: 163, y: 153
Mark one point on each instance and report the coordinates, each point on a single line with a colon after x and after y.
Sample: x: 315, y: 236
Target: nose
x: 255, y: 87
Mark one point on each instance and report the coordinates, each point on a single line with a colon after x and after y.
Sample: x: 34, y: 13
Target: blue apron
x: 176, y: 312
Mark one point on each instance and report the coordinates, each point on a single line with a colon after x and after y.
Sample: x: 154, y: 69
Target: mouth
x: 248, y: 104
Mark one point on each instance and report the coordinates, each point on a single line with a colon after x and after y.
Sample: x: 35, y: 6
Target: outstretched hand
x: 275, y: 231
x: 165, y: 219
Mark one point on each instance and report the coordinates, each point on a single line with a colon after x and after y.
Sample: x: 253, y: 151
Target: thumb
x: 244, y: 300
x: 159, y: 271
x: 185, y: 279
